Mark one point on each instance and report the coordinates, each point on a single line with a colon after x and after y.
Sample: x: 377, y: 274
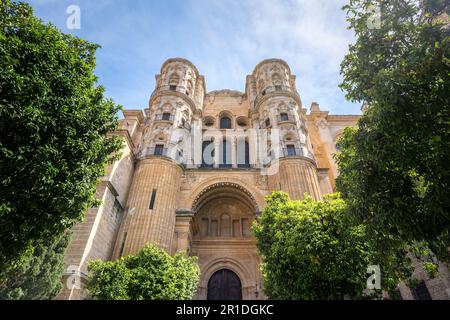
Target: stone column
x: 253, y: 143
x: 233, y: 144
x: 183, y: 231
x: 216, y: 152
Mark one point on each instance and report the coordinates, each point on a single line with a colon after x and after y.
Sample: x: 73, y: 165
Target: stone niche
x: 224, y: 218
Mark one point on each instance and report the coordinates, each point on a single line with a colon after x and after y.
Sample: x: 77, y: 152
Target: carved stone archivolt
x: 223, y: 185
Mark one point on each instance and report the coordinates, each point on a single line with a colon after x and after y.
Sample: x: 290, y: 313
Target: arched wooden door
x: 224, y: 285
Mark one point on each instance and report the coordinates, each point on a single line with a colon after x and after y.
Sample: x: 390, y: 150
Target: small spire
x: 315, y: 107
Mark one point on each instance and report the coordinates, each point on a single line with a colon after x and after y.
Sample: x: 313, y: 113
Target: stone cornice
x: 209, y: 169
x: 110, y: 186
x: 298, y: 158
x: 226, y: 92
x: 125, y: 134
x: 343, y: 117
x: 160, y: 158
x: 160, y: 93
x: 184, y: 213
x: 266, y: 97
x: 332, y: 119
x: 272, y: 61
x: 218, y: 242
x: 318, y: 114
x: 138, y: 114
x: 182, y: 60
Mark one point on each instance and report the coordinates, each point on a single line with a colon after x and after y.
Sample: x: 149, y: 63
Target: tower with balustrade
x: 276, y: 105
x: 161, y: 153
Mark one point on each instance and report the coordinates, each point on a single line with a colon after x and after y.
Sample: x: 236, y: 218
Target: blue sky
x: 225, y: 39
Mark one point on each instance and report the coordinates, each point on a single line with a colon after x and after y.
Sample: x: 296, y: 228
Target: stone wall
x: 95, y: 237
x: 147, y: 222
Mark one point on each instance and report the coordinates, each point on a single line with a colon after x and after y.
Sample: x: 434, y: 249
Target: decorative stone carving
x: 188, y: 180
x: 321, y: 123
x: 223, y: 185
x: 261, y: 181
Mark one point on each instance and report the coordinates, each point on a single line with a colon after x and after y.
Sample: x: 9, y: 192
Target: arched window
x: 225, y: 154
x: 207, y: 153
x: 243, y: 154
x: 174, y: 80
x: 291, y: 150
x: 159, y: 150
x: 225, y: 123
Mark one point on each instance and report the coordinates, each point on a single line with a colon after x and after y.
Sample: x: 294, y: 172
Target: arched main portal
x: 224, y: 284
x: 224, y: 211
x: 223, y: 242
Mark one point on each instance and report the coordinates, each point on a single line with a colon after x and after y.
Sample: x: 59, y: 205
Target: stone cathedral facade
x: 194, y: 171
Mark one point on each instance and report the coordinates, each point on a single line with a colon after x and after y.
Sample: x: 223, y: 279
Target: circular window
x: 242, y: 121
x: 208, y: 121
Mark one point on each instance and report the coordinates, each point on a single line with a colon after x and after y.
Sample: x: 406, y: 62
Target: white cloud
x: 310, y: 35
x: 225, y: 39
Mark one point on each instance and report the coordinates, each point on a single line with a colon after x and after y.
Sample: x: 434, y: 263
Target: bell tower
x: 164, y: 152
x: 275, y: 104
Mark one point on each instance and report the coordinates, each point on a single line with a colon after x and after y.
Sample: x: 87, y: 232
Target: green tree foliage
x: 389, y: 250
x: 310, y: 249
x: 152, y: 274
x: 53, y: 132
x: 395, y: 168
x: 38, y: 276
